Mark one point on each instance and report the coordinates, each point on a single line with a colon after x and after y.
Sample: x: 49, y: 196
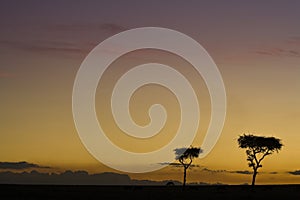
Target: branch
x: 265, y: 154
x: 257, y: 162
x: 181, y: 161
x: 185, y: 165
x: 191, y: 160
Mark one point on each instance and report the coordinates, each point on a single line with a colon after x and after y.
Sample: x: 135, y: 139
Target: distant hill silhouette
x: 75, y: 178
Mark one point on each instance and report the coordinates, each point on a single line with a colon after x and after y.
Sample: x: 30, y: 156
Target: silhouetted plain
x: 84, y: 192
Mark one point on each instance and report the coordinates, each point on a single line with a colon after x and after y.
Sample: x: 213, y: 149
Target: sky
x: 256, y: 46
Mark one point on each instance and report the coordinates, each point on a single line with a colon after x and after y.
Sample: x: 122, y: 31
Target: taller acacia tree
x: 257, y: 148
x: 185, y: 156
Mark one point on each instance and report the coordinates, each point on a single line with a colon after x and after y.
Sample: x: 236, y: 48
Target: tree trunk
x: 253, y: 177
x: 184, y: 177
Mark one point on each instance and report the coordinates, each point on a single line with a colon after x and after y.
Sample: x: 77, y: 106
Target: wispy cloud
x: 278, y: 52
x: 44, y: 46
x: 62, y: 38
x: 294, y: 40
x: 20, y: 165
x: 250, y: 172
x: 296, y: 172
x: 241, y: 172
x: 108, y: 27
x: 112, y: 27
x: 177, y: 164
x: 217, y: 171
x: 287, y: 48
x: 213, y: 170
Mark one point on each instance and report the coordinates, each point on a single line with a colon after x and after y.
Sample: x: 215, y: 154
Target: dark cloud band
x: 19, y: 165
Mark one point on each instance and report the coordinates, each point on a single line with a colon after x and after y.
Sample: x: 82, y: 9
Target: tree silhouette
x: 185, y: 156
x: 257, y: 148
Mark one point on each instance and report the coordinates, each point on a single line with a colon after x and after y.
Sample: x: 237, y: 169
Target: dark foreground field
x: 220, y: 192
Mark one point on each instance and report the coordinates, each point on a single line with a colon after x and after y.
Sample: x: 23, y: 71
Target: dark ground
x: 220, y: 192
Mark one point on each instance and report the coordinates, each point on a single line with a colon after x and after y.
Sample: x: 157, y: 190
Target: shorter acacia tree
x: 185, y: 156
x: 257, y: 148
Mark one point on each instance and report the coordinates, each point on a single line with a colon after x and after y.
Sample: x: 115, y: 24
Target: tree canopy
x: 260, y: 143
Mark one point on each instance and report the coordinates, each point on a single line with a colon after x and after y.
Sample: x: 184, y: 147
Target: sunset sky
x: 256, y: 46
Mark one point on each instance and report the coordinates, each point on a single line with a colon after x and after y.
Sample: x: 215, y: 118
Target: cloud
x: 107, y: 27
x: 226, y: 171
x: 214, y: 171
x: 290, y: 49
x: 171, y: 164
x: 249, y: 172
x: 46, y: 46
x: 177, y: 164
x: 204, y: 169
x: 112, y: 27
x: 20, y: 165
x: 279, y: 52
x: 296, y: 172
x: 294, y: 40
x: 273, y: 172
x: 241, y: 172
x: 63, y: 42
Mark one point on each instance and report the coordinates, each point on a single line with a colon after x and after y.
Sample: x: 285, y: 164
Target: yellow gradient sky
x: 256, y: 47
